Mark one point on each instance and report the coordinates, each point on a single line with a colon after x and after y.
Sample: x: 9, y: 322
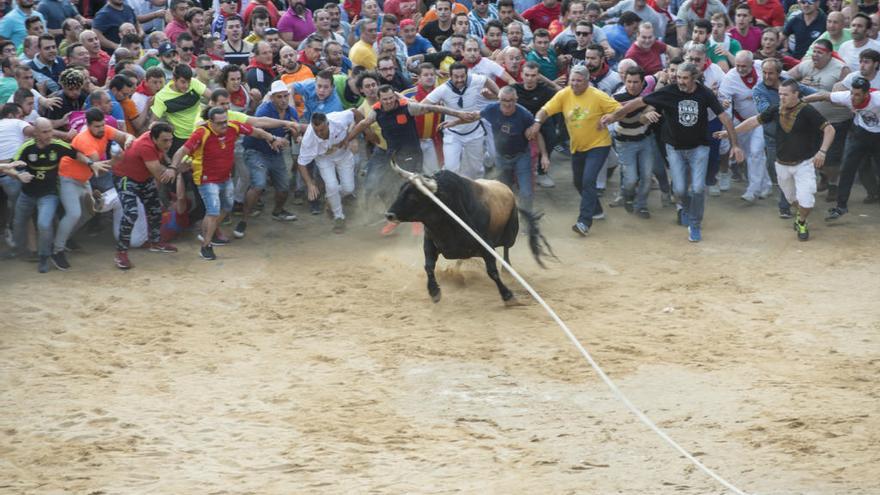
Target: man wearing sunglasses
x: 806, y: 26
x: 483, y: 11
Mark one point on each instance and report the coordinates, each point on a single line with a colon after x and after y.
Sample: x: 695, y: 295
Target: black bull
x: 486, y: 206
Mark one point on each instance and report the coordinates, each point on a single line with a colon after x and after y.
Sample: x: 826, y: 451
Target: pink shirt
x: 650, y: 60
x: 751, y: 41
x: 299, y: 27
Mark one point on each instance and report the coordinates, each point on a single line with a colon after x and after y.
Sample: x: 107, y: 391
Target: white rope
x: 638, y: 413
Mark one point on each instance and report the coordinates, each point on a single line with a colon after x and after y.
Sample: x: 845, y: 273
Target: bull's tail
x: 537, y: 242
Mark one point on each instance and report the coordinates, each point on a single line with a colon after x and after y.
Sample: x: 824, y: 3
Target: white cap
x: 278, y: 87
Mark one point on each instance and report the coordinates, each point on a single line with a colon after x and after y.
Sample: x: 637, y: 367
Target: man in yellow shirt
x: 582, y: 106
x: 362, y: 53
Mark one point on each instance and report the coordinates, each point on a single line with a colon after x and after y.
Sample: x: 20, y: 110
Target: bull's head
x: 411, y: 205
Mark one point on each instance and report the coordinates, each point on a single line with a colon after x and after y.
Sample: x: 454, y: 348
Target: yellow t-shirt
x: 582, y: 113
x: 366, y: 109
x: 362, y: 54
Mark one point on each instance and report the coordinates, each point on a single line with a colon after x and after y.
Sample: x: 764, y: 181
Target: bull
x: 486, y: 206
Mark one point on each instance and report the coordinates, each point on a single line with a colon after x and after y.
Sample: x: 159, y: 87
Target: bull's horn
x: 430, y: 183
x: 403, y: 173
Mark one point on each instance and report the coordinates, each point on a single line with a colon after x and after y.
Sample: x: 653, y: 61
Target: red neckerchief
x: 471, y: 65
x: 751, y: 79
x: 143, y: 89
x: 867, y: 100
x: 665, y: 12
x: 239, y: 98
x: 599, y: 74
x: 257, y: 65
x: 700, y: 10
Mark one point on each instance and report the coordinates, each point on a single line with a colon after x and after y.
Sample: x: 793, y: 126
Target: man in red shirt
x: 211, y: 149
x: 647, y: 50
x: 99, y: 61
x: 768, y: 13
x: 135, y: 177
x: 540, y: 16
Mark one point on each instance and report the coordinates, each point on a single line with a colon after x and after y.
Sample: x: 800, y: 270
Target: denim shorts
x: 262, y: 166
x: 217, y: 197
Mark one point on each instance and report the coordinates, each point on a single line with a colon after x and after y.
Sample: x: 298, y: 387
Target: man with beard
x: 310, y: 52
x: 849, y: 51
x: 195, y: 27
x: 292, y: 71
x: 389, y: 74
x: 685, y: 108
x: 508, y: 16
x: 477, y: 64
x: 334, y: 59
x: 803, y: 137
x: 71, y: 96
x: 463, y: 146
x: 336, y: 23
x: 108, y: 20
x: 822, y: 71
x: 574, y: 52
x: 296, y: 24
x: 169, y: 58
x: 601, y: 75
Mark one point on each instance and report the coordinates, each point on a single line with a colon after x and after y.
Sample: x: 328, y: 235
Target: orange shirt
x: 131, y: 112
x: 303, y: 74
x: 431, y: 15
x: 90, y: 146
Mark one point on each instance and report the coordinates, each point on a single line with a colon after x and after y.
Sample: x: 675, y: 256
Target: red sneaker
x: 162, y: 247
x: 122, y: 260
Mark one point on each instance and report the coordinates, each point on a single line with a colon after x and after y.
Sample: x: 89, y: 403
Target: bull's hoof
x: 513, y: 302
x: 435, y: 296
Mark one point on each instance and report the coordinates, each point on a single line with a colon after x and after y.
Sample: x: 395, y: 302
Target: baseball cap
x: 278, y: 87
x: 166, y: 48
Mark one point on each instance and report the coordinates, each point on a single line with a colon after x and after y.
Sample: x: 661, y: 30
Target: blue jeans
x: 24, y: 208
x: 12, y: 187
x: 714, y: 163
x: 263, y: 166
x: 693, y: 198
x: 637, y: 159
x: 217, y: 197
x: 518, y: 169
x: 585, y: 167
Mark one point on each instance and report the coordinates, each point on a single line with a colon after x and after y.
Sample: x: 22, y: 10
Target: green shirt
x: 340, y: 83
x: 844, y: 37
x: 733, y: 48
x: 546, y: 65
x: 180, y: 109
x: 8, y: 85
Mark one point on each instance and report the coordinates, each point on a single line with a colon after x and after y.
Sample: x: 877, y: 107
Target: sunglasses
x: 186, y: 48
x: 582, y: 33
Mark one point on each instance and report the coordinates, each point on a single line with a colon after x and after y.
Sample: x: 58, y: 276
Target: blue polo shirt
x: 804, y: 35
x: 267, y: 109
x: 115, y: 108
x: 306, y: 89
x: 508, y: 130
x: 12, y: 25
x: 56, y: 11
x: 419, y: 46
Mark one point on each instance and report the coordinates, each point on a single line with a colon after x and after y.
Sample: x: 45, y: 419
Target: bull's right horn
x: 403, y: 173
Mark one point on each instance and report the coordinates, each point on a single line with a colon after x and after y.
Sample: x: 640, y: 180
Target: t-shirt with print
x: 798, y: 133
x: 42, y: 163
x: 582, y: 114
x: 685, y: 115
x: 134, y: 161
x: 89, y: 145
x: 213, y: 154
x: 867, y: 114
x: 508, y: 130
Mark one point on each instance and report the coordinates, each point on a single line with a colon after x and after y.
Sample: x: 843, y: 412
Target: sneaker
x: 835, y: 213
x: 218, y: 240
x: 785, y: 213
x: 283, y: 216
x: 559, y: 148
x: 869, y: 200
x: 237, y: 209
x: 60, y: 261
x: 748, y: 198
x: 714, y: 190
x: 207, y: 253
x: 735, y: 174
x: 389, y: 228
x: 599, y: 216
x: 546, y: 181
x: 9, y: 238
x: 644, y: 213
x: 694, y: 234
x: 315, y: 208
x: 724, y: 181
x: 43, y: 265
x: 239, y: 229
x: 802, y: 232
x: 617, y: 201
x: 765, y: 193
x: 338, y: 225
x: 628, y: 206
x: 682, y: 219
x: 121, y: 260
x: 162, y: 247
x: 580, y: 229
x: 666, y: 200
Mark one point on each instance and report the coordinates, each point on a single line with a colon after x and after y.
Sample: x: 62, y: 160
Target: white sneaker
x: 714, y: 190
x: 748, y: 198
x: 766, y: 193
x: 546, y: 181
x: 724, y: 181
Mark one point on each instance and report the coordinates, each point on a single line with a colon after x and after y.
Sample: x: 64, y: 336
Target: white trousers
x: 798, y: 182
x: 337, y: 171
x: 430, y: 161
x: 752, y: 144
x: 463, y: 157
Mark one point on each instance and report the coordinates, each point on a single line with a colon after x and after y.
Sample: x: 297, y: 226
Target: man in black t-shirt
x: 72, y: 97
x: 685, y: 108
x: 437, y: 31
x: 35, y: 164
x: 803, y: 137
x: 532, y: 94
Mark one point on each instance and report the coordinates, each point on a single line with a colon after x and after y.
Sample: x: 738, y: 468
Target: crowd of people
x: 176, y: 115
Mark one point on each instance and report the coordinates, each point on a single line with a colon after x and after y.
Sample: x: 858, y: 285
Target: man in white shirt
x: 463, y: 145
x: 849, y: 51
x: 869, y: 68
x: 13, y: 133
x: 736, y: 88
x: 335, y: 163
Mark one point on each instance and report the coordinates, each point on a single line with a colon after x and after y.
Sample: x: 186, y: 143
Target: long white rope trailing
x: 417, y: 181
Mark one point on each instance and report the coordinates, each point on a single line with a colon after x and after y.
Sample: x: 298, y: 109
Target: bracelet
x: 823, y: 152
x: 172, y: 168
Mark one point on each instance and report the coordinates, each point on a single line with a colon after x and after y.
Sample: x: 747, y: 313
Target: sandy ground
x: 306, y: 362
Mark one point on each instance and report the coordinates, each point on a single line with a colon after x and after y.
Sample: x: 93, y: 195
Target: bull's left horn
x: 403, y: 173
